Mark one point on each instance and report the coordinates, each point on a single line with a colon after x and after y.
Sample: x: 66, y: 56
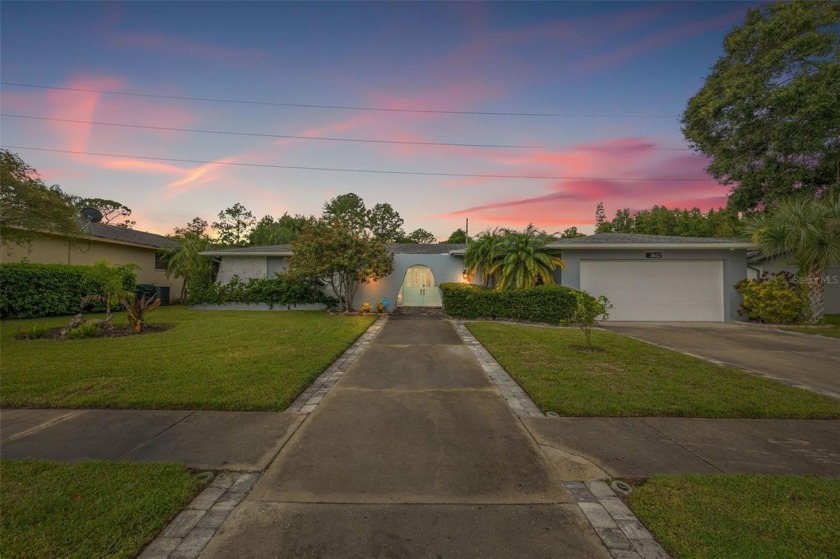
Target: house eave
x: 652, y: 246
x: 240, y: 253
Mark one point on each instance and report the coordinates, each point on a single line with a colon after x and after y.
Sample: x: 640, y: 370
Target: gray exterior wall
x: 276, y: 264
x: 734, y: 267
x: 246, y: 267
x: 831, y: 289
x: 445, y: 268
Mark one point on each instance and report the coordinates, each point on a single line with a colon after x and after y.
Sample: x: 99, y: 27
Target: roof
x: 286, y: 250
x: 638, y: 241
x: 125, y: 235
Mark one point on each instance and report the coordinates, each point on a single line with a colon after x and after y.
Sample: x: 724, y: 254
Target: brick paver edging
x: 188, y: 535
x: 622, y: 533
x: 312, y: 396
x: 516, y: 398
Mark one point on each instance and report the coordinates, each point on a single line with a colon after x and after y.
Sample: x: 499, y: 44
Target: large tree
x: 420, y: 236
x: 113, y: 212
x: 806, y: 231
x: 459, y: 236
x: 234, y: 225
x: 348, y: 209
x: 385, y: 223
x: 768, y: 114
x: 660, y: 220
x: 340, y: 257
x: 280, y: 231
x: 28, y: 207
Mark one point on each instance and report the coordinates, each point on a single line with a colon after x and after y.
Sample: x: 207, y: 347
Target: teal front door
x: 419, y: 288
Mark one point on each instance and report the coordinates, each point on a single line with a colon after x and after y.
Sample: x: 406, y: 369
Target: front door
x: 419, y: 288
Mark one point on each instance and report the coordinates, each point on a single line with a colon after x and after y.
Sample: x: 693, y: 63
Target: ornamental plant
x: 774, y: 299
x: 588, y: 310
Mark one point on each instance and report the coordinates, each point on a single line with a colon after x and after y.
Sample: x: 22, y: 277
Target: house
x: 831, y: 277
x: 418, y: 269
x: 646, y: 277
x: 117, y: 245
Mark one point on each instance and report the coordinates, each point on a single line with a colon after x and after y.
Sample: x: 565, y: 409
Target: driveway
x: 803, y: 360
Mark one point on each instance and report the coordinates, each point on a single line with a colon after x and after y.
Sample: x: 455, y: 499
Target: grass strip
x: 88, y: 509
x: 629, y: 378
x: 706, y: 517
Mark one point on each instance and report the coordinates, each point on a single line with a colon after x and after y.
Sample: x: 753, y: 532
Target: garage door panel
x: 662, y: 290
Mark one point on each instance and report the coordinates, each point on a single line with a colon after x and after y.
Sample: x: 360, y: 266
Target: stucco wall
x: 54, y: 250
x: 831, y: 289
x: 734, y: 267
x: 246, y: 267
x: 275, y: 265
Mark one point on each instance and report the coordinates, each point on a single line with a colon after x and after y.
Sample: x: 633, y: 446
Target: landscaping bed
x: 89, y: 509
x: 830, y: 328
x: 208, y: 360
x: 699, y: 517
x: 629, y: 378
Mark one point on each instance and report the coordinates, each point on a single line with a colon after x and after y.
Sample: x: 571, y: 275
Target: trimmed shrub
x: 773, y: 299
x: 283, y: 290
x: 552, y: 304
x: 35, y: 290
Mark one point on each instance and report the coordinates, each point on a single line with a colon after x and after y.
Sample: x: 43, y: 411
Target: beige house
x: 117, y: 245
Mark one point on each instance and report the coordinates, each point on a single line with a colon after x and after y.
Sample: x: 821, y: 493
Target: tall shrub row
x: 552, y: 304
x: 35, y: 290
x: 283, y: 290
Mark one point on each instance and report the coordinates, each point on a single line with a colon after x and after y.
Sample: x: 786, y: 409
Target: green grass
x: 698, y: 517
x: 89, y: 509
x: 833, y: 332
x: 629, y: 378
x: 210, y: 360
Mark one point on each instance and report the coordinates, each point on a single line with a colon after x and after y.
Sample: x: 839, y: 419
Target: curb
x: 619, y: 529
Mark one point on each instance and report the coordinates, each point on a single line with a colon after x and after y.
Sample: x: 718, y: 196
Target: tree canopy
x: 511, y: 259
x: 420, y: 236
x: 768, y: 114
x: 113, y: 212
x: 678, y: 222
x: 28, y: 207
x: 234, y: 226
x: 459, y: 236
x: 280, y: 231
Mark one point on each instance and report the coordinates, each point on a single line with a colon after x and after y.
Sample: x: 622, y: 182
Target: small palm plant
x: 524, y: 261
x: 138, y: 310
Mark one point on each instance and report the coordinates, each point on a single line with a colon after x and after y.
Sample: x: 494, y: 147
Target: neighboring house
x: 418, y: 269
x: 646, y: 277
x: 831, y: 278
x: 117, y: 245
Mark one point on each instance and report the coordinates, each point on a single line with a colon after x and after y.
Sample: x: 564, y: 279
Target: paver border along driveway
x: 810, y: 362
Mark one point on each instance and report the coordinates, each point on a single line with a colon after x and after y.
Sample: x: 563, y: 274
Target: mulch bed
x: 114, y: 332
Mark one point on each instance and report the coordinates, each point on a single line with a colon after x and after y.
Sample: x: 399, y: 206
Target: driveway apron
x: 413, y: 453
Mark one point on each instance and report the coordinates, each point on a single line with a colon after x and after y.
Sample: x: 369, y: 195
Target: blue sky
x: 614, y: 75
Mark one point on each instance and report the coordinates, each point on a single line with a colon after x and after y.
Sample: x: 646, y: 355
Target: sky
x: 181, y: 110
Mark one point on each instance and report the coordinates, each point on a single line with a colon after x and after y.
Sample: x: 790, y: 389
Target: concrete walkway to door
x: 413, y: 453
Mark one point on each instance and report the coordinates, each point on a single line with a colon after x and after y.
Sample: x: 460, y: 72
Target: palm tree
x: 483, y: 254
x: 806, y: 230
x: 184, y: 261
x: 523, y: 261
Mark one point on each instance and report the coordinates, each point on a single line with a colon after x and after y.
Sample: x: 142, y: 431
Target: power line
x: 369, y: 171
x: 259, y: 135
x: 299, y: 137
x: 337, y: 107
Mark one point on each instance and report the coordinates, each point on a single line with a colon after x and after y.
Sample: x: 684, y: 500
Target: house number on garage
x: 653, y: 255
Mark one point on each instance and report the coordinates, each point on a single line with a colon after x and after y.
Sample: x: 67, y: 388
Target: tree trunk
x: 815, y: 294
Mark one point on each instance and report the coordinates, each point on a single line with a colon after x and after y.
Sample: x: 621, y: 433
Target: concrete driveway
x: 809, y: 361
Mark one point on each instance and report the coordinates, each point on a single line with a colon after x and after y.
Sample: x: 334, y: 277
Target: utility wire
x: 369, y: 171
x: 298, y: 137
x: 258, y: 135
x: 337, y: 107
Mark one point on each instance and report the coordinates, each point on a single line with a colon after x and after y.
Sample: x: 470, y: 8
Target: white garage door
x: 659, y: 290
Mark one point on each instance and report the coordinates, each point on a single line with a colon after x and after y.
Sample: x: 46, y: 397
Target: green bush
x: 86, y: 330
x: 552, y: 304
x: 36, y: 290
x: 773, y: 299
x: 283, y: 290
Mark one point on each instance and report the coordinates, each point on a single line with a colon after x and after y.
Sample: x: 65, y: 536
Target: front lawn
x: 629, y: 378
x: 698, y: 517
x: 209, y: 360
x: 833, y: 320
x: 90, y: 509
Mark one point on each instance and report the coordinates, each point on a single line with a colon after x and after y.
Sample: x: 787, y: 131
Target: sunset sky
x: 596, y: 87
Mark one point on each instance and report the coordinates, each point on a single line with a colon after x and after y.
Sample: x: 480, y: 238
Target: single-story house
x: 646, y: 277
x: 757, y: 265
x: 418, y: 269
x: 117, y: 245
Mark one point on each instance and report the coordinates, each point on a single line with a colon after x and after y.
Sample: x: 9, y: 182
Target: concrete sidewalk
x: 413, y: 453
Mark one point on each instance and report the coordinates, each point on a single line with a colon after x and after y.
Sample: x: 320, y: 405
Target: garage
x: 658, y: 278
x: 658, y: 290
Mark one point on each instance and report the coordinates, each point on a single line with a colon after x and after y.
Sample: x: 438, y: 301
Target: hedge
x: 283, y: 290
x: 35, y: 290
x: 552, y: 304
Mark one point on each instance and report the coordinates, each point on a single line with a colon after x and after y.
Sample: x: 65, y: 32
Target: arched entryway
x: 419, y: 288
